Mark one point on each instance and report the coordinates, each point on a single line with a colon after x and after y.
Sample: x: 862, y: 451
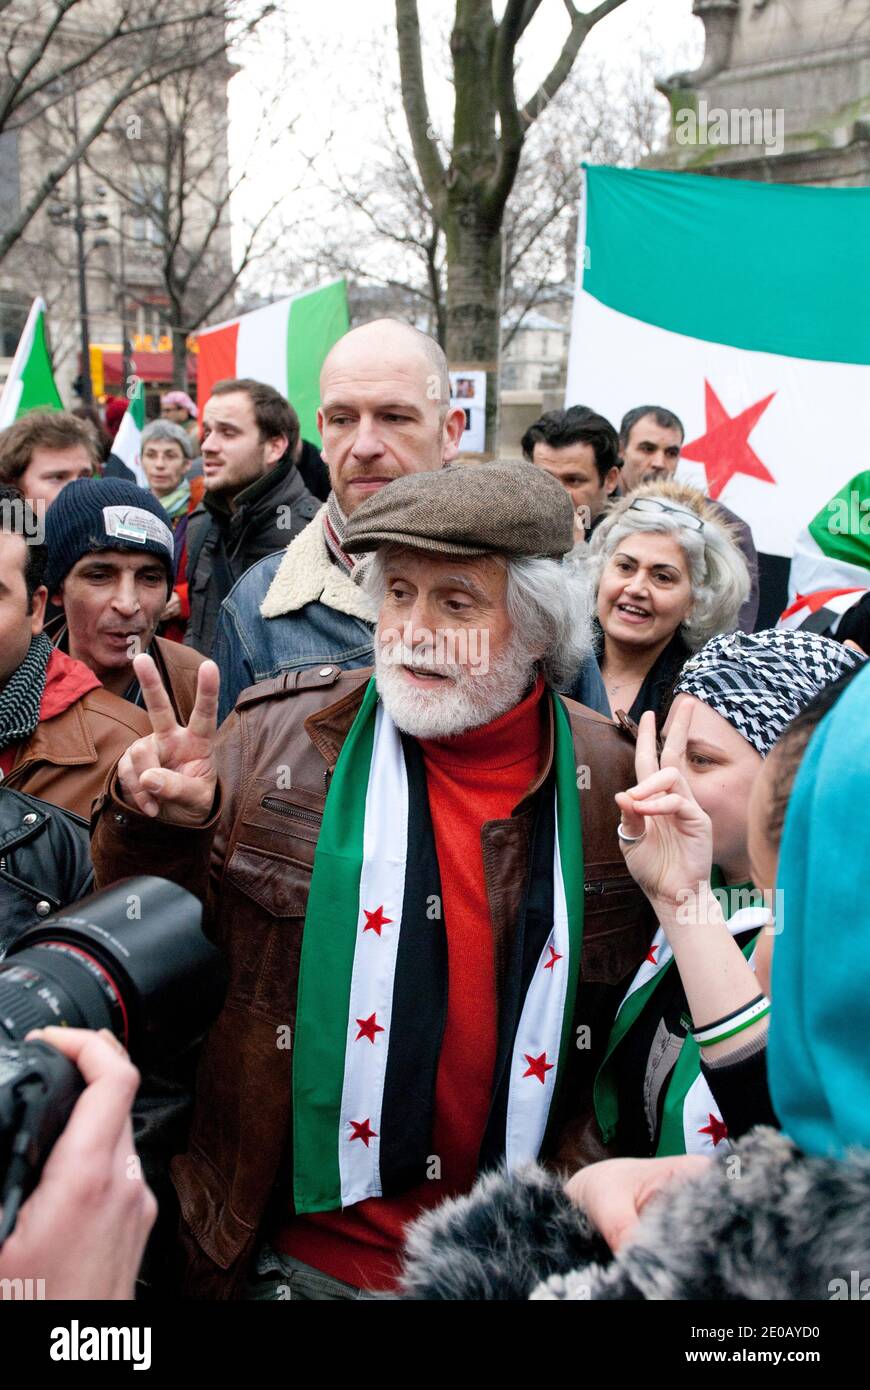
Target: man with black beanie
x: 110, y: 568
x: 60, y: 732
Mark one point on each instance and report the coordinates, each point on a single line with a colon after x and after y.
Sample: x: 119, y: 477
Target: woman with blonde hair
x: 666, y: 575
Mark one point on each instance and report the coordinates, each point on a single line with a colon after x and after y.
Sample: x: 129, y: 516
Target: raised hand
x: 675, y: 853
x: 172, y: 773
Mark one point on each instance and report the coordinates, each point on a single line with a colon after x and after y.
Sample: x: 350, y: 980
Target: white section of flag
x: 127, y: 446
x: 699, y: 1103
x: 617, y: 362
x: 382, y: 884
x: 539, y: 1031
x: 261, y: 346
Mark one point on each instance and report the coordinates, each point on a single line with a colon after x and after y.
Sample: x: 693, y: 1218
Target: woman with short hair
x: 666, y: 575
x: 167, y: 451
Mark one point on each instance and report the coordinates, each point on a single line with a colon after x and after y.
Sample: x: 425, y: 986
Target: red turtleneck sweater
x: 475, y: 777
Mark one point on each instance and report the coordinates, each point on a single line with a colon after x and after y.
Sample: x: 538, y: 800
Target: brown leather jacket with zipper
x: 251, y: 866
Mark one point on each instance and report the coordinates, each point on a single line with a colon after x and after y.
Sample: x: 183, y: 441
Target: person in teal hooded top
x: 785, y: 1215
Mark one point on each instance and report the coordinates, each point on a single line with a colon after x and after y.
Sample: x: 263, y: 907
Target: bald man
x: 385, y: 411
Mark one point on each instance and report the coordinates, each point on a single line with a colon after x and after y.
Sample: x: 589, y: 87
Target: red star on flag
x: 716, y: 1129
x: 538, y: 1066
x: 554, y: 956
x: 368, y: 1027
x: 651, y: 955
x: 375, y: 920
x: 362, y: 1130
x: 724, y: 450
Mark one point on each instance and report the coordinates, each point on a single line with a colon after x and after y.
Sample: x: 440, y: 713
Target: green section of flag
x: 315, y: 322
x: 766, y: 267
x: 841, y: 529
x: 37, y: 378
x: 328, y: 941
x: 136, y: 408
x: 569, y: 828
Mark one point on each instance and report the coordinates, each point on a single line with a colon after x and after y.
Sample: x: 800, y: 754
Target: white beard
x: 465, y: 701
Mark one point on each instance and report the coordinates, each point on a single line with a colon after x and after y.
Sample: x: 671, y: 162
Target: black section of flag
x: 419, y: 1006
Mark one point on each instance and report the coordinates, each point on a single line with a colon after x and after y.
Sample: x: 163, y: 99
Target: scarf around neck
x: 22, y: 694
x: 334, y: 531
x: 176, y: 503
x: 373, y: 976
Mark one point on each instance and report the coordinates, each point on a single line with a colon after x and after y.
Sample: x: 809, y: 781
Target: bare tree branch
x: 581, y: 24
x: 416, y: 105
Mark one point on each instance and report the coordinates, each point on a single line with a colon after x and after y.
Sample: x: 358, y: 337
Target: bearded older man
x: 416, y: 879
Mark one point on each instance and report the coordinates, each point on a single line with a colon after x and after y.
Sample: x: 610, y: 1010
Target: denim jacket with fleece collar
x: 291, y: 611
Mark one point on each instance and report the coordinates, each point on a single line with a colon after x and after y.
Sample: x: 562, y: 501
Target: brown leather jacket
x: 251, y: 864
x: 176, y: 663
x: 178, y: 666
x: 67, y: 759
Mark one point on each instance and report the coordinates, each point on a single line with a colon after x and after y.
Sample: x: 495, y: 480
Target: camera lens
x: 132, y: 958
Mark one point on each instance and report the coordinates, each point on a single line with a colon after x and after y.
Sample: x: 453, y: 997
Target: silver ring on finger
x: 628, y: 839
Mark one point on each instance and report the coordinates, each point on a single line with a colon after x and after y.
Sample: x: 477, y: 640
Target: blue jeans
x: 281, y: 1277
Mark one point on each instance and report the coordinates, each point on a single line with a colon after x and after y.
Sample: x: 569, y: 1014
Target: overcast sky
x: 312, y: 67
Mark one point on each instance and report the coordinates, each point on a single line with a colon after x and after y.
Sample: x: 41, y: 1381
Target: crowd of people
x: 512, y: 827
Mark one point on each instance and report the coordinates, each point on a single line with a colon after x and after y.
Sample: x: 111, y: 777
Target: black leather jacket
x: 45, y: 862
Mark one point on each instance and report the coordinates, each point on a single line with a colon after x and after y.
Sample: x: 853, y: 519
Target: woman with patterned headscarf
x: 684, y: 1069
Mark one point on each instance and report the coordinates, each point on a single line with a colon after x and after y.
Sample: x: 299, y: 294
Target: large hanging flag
x: 283, y: 344
x: 125, y: 460
x: 745, y: 308
x: 30, y: 383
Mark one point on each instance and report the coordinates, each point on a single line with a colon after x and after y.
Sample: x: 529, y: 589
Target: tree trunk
x: 179, y: 359
x: 474, y: 258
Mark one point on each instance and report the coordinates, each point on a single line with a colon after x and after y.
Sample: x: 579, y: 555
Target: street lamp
x: 121, y: 285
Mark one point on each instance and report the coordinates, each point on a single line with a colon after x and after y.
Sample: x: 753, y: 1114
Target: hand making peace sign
x: 172, y: 773
x: 674, y: 851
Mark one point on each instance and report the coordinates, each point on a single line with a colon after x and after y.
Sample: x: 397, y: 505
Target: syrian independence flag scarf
x: 373, y: 976
x: 691, y: 1120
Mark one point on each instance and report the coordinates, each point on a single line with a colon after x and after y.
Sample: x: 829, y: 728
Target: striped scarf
x: 334, y: 527
x: 176, y: 503
x: 22, y: 694
x: 373, y: 975
x: 334, y: 530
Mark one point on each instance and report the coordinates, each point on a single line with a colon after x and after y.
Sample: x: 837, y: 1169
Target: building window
x: 13, y: 316
x: 148, y: 203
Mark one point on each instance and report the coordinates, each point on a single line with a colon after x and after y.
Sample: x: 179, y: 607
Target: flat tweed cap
x: 468, y: 509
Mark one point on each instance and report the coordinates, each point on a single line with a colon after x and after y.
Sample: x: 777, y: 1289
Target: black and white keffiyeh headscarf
x: 759, y: 681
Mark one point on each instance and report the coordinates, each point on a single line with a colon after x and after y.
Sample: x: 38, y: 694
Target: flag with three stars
x: 743, y: 308
x: 373, y: 978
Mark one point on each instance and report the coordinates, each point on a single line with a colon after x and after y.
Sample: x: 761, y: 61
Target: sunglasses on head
x: 657, y: 504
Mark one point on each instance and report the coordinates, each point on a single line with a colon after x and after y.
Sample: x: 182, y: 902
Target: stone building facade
x: 782, y: 94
